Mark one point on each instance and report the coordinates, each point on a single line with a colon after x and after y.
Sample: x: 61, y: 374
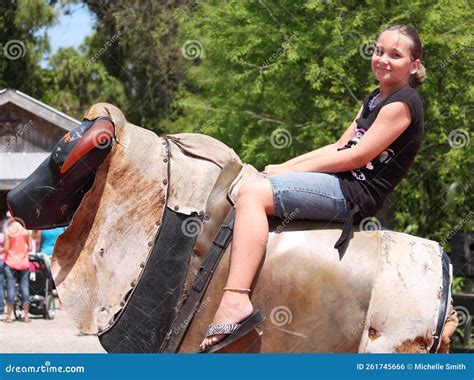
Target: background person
x: 2, y: 275
x: 17, y: 245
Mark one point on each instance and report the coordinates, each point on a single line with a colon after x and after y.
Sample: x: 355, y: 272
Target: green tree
x: 145, y: 56
x: 23, y: 43
x: 75, y: 82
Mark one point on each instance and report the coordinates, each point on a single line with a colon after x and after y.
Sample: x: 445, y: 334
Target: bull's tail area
x: 448, y: 319
x: 412, y: 285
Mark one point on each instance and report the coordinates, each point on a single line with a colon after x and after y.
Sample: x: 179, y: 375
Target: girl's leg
x: 254, y: 203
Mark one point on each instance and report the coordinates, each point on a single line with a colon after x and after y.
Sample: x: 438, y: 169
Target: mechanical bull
x: 146, y: 253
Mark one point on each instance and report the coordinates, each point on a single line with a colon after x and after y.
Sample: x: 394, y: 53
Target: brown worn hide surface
x: 97, y: 259
x: 371, y: 301
x: 383, y: 294
x: 406, y: 298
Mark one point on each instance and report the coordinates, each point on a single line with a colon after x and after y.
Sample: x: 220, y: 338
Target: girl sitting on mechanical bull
x: 343, y: 182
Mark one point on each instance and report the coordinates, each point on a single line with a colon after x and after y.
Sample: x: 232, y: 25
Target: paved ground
x: 56, y: 336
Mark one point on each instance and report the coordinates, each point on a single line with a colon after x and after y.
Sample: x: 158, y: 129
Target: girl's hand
x: 271, y: 170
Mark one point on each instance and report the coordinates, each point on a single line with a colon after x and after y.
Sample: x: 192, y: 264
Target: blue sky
x: 70, y: 30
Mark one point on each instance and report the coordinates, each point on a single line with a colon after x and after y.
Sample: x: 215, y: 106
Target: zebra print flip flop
x: 233, y: 331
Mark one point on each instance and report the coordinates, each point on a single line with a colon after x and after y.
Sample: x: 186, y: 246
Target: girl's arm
x: 331, y: 148
x: 390, y: 123
x: 328, y: 149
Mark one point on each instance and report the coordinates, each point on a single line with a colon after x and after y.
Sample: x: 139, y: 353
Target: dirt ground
x: 58, y: 335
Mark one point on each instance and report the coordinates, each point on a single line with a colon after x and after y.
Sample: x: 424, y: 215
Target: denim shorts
x: 308, y: 195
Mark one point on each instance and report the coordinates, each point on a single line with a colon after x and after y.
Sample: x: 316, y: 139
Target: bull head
x: 50, y: 196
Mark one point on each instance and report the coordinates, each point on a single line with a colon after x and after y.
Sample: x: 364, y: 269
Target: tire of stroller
x: 18, y: 312
x: 49, y: 307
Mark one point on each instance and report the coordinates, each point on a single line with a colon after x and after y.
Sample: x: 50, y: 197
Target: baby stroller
x: 41, y: 286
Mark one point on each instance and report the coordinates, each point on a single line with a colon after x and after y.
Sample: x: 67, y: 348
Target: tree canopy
x: 272, y: 79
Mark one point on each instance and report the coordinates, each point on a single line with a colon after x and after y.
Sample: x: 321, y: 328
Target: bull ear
x: 99, y: 135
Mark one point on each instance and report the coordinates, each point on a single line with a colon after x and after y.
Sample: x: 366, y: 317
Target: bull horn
x: 99, y: 134
x: 108, y: 110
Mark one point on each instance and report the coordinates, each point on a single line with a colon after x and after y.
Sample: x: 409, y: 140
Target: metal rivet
x: 150, y: 243
x: 142, y: 265
x: 165, y: 182
x: 111, y: 322
x: 163, y: 201
x: 423, y: 346
x: 103, y: 308
x: 122, y: 304
x: 165, y: 160
x: 99, y: 329
x: 176, y: 208
x: 158, y: 223
x: 132, y: 284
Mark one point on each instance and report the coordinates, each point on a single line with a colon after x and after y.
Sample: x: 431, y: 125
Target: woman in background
x: 17, y: 245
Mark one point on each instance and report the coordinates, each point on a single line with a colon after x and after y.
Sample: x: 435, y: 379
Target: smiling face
x: 392, y: 62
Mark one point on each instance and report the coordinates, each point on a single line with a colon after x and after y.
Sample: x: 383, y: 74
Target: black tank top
x: 366, y: 188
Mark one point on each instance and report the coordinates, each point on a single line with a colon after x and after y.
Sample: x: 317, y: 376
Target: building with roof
x: 28, y: 131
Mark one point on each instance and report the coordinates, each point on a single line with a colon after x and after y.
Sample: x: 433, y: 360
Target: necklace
x: 372, y: 101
